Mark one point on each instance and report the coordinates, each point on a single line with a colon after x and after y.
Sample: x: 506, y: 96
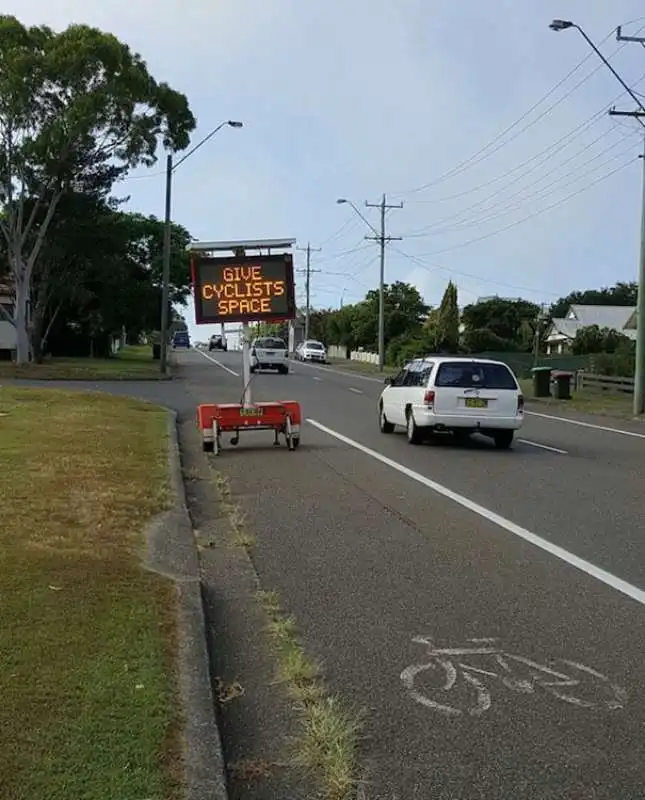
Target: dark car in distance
x: 181, y: 339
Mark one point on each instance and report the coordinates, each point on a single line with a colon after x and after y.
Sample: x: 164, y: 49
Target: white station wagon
x: 458, y: 395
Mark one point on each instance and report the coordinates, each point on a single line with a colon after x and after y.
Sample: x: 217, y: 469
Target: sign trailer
x: 245, y: 288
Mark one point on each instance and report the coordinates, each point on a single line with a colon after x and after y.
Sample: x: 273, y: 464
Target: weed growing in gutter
x: 329, y: 744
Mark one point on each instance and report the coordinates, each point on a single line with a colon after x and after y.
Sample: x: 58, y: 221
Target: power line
x: 533, y: 215
x: 485, y: 152
x: 502, y: 209
x: 438, y: 268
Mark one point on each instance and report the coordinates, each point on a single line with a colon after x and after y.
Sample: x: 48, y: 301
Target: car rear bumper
x: 281, y: 364
x: 426, y: 418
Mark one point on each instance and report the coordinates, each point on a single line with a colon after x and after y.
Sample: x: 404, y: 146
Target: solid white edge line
x: 356, y: 391
x: 345, y: 373
x: 544, y: 447
x: 607, y: 428
x: 219, y: 363
x: 553, y: 549
x: 587, y: 424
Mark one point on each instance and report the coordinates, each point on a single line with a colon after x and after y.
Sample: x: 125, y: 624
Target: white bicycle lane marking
x: 489, y: 664
x: 497, y: 519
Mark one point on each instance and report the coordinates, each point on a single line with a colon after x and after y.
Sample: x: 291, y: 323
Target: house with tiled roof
x: 562, y: 331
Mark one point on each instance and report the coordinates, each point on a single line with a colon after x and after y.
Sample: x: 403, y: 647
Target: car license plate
x: 476, y: 402
x: 251, y: 411
x: 269, y: 353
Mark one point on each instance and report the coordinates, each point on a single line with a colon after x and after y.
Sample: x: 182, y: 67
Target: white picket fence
x: 334, y: 351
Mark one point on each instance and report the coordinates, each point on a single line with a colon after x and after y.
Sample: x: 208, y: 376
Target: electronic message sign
x: 243, y: 289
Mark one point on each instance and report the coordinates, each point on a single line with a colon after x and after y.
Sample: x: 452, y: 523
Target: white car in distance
x: 269, y: 352
x: 458, y: 395
x: 314, y: 351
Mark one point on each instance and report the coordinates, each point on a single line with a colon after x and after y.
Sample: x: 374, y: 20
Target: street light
x: 639, y: 376
x: 165, y: 280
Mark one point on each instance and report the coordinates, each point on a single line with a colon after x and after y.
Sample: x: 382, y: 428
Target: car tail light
x: 520, y: 404
x: 428, y: 397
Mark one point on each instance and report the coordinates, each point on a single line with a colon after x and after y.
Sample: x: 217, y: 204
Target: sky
x: 440, y: 104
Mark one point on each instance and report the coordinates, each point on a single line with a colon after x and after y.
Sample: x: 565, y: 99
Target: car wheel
x: 413, y: 432
x: 503, y: 439
x: 384, y: 425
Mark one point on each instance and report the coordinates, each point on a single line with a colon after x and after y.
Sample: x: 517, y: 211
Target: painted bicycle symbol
x: 480, y: 664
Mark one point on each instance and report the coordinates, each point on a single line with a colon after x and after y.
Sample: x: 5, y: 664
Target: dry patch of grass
x: 328, y: 745
x: 131, y: 363
x: 88, y: 705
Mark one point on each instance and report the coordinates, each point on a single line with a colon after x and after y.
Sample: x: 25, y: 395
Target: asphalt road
x: 370, y: 557
x: 487, y: 664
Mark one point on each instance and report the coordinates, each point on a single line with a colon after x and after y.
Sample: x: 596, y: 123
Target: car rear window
x: 271, y: 344
x: 472, y: 375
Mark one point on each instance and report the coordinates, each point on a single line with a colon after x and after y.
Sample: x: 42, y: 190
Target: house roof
x: 582, y: 316
x: 615, y: 317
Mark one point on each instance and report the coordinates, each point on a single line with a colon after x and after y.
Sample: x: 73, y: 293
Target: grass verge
x: 87, y: 637
x: 131, y: 363
x: 587, y: 402
x: 328, y: 745
x: 361, y: 366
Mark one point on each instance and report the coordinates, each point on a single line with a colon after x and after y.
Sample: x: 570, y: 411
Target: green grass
x: 87, y: 639
x: 589, y: 401
x: 361, y: 366
x: 131, y: 363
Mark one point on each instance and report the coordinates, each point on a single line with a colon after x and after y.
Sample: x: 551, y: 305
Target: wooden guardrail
x: 604, y: 383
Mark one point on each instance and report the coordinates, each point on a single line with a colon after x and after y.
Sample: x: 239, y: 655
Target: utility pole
x: 382, y: 238
x: 165, y: 279
x: 308, y: 272
x: 541, y: 316
x: 639, y: 375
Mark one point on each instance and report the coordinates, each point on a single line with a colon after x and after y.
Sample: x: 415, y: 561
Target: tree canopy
x: 622, y: 294
x: 78, y: 109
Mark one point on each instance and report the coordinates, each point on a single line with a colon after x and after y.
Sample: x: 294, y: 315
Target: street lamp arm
x: 562, y: 25
x: 229, y: 122
x: 357, y: 211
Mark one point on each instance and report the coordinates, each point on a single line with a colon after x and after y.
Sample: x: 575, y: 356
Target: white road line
x: 316, y: 378
x: 544, y: 447
x: 587, y: 424
x: 219, y: 363
x: 345, y: 373
x: 356, y: 391
x: 553, y: 549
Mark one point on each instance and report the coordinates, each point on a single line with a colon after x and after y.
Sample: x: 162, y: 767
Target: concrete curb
x: 172, y: 552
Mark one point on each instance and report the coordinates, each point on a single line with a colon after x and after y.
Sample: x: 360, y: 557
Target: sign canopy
x: 243, y: 288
